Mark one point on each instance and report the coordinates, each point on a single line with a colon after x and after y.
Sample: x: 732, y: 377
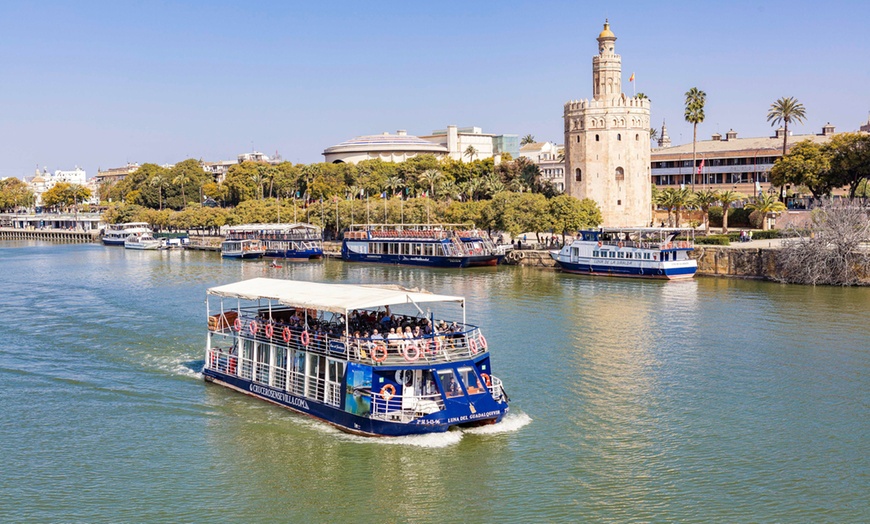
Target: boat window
x: 472, y: 383
x: 449, y: 383
x: 620, y: 255
x: 646, y: 256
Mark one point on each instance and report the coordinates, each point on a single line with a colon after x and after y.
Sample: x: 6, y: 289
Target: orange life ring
x: 620, y: 244
x: 285, y: 333
x: 407, y: 352
x: 388, y: 392
x: 231, y: 367
x: 486, y: 379
x: 238, y: 324
x: 253, y: 327
x: 305, y: 338
x: 483, y: 343
x: 472, y: 345
x: 599, y: 243
x: 379, y: 353
x: 269, y: 330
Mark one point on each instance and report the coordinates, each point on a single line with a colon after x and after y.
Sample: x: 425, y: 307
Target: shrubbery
x: 715, y: 240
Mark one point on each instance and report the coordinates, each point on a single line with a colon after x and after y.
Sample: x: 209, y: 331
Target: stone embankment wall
x: 50, y: 235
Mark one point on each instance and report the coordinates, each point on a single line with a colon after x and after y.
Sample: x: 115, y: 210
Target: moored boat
x: 660, y: 253
x: 249, y: 248
x: 292, y: 241
x: 318, y: 349
x: 142, y: 241
x: 116, y: 234
x: 433, y: 245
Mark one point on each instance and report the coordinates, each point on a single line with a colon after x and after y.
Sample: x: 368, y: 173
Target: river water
x: 710, y: 400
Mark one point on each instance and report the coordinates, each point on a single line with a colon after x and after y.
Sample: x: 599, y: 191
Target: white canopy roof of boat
x: 337, y: 298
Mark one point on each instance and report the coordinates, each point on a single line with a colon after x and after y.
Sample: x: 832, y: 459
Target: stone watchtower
x: 607, y: 146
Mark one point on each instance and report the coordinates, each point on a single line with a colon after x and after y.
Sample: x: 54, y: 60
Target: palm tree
x: 703, y: 200
x: 180, y: 180
x: 727, y: 198
x: 528, y: 139
x: 679, y: 199
x: 470, y: 151
x: 394, y: 183
x: 159, y: 181
x: 767, y: 205
x: 430, y: 177
x: 666, y: 199
x: 471, y: 187
x: 448, y: 190
x: 695, y: 100
x: 258, y: 178
x: 492, y: 184
x: 786, y: 110
x: 642, y: 95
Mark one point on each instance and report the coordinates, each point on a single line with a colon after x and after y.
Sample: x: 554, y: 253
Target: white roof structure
x: 336, y: 298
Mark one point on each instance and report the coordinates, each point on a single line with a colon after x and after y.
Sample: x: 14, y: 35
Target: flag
x: 700, y: 167
x: 384, y: 194
x: 631, y: 79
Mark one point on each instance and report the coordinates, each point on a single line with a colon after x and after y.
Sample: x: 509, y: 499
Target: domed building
x: 387, y: 147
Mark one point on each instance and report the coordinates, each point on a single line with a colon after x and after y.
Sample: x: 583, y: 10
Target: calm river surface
x: 706, y: 401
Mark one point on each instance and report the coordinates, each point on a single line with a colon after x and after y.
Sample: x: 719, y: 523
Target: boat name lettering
x: 278, y: 395
x: 466, y: 418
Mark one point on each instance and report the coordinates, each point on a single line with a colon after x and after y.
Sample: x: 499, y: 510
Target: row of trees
x: 510, y: 212
x: 156, y: 187
x: 844, y: 160
x: 677, y: 200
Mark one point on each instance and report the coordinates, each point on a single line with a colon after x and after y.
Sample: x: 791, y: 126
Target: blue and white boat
x: 242, y: 249
x: 433, y: 245
x: 117, y: 234
x: 314, y: 348
x: 292, y: 241
x: 625, y: 252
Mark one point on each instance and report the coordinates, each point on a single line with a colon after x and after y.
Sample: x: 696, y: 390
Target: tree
x: 180, y: 180
x: 850, y: 160
x: 785, y: 110
x: 766, y: 205
x: 159, y: 181
x: 394, y: 184
x: 64, y: 194
x: 430, y: 177
x: 695, y: 100
x: 570, y: 214
x: 703, y: 200
x: 14, y: 193
x: 470, y: 152
x: 727, y: 198
x: 528, y: 139
x: 807, y: 164
x: 642, y: 96
x: 653, y: 134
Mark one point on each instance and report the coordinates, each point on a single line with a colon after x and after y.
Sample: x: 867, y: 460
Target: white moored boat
x: 630, y: 252
x: 143, y: 241
x: 116, y: 234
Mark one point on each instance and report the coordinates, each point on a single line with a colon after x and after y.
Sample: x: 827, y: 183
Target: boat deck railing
x: 681, y: 244
x: 464, y: 343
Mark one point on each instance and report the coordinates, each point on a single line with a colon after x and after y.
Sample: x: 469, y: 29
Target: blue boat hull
x: 407, y: 260
x: 242, y: 255
x: 628, y: 271
x: 435, y: 423
x: 304, y: 254
x: 113, y: 242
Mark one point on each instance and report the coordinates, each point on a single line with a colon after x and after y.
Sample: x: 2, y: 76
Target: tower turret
x: 606, y: 67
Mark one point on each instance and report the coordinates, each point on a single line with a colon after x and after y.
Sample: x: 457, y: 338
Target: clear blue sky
x: 99, y: 84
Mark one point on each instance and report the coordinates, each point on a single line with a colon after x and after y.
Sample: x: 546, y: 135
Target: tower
x: 607, y: 147
x: 664, y: 139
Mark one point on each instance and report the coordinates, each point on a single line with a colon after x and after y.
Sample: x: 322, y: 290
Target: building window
x: 636, y: 138
x: 620, y: 173
x: 578, y: 139
x: 596, y: 138
x: 578, y: 175
x: 619, y: 137
x: 619, y: 202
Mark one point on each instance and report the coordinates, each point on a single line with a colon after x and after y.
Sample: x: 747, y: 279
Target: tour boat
x: 242, y: 249
x: 143, y: 241
x: 312, y: 348
x: 116, y: 234
x: 625, y: 252
x: 294, y: 241
x: 434, y: 245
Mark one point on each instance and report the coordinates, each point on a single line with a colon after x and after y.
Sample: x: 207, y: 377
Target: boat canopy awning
x: 337, y: 298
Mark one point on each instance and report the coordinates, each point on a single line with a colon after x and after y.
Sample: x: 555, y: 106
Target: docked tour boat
x: 294, y: 241
x: 298, y: 345
x: 116, y: 234
x: 242, y: 249
x: 143, y: 241
x: 624, y: 252
x: 434, y: 245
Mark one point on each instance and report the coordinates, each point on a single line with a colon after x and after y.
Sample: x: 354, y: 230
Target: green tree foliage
x: 14, y: 193
x: 765, y: 205
x: 726, y: 198
x: 806, y: 164
x: 65, y: 195
x: 703, y: 200
x: 528, y: 139
x: 571, y: 214
x: 850, y: 160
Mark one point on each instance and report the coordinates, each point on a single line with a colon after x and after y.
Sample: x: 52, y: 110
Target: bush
x: 715, y: 216
x: 766, y: 235
x: 715, y: 240
x: 756, y: 220
x: 738, y: 217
